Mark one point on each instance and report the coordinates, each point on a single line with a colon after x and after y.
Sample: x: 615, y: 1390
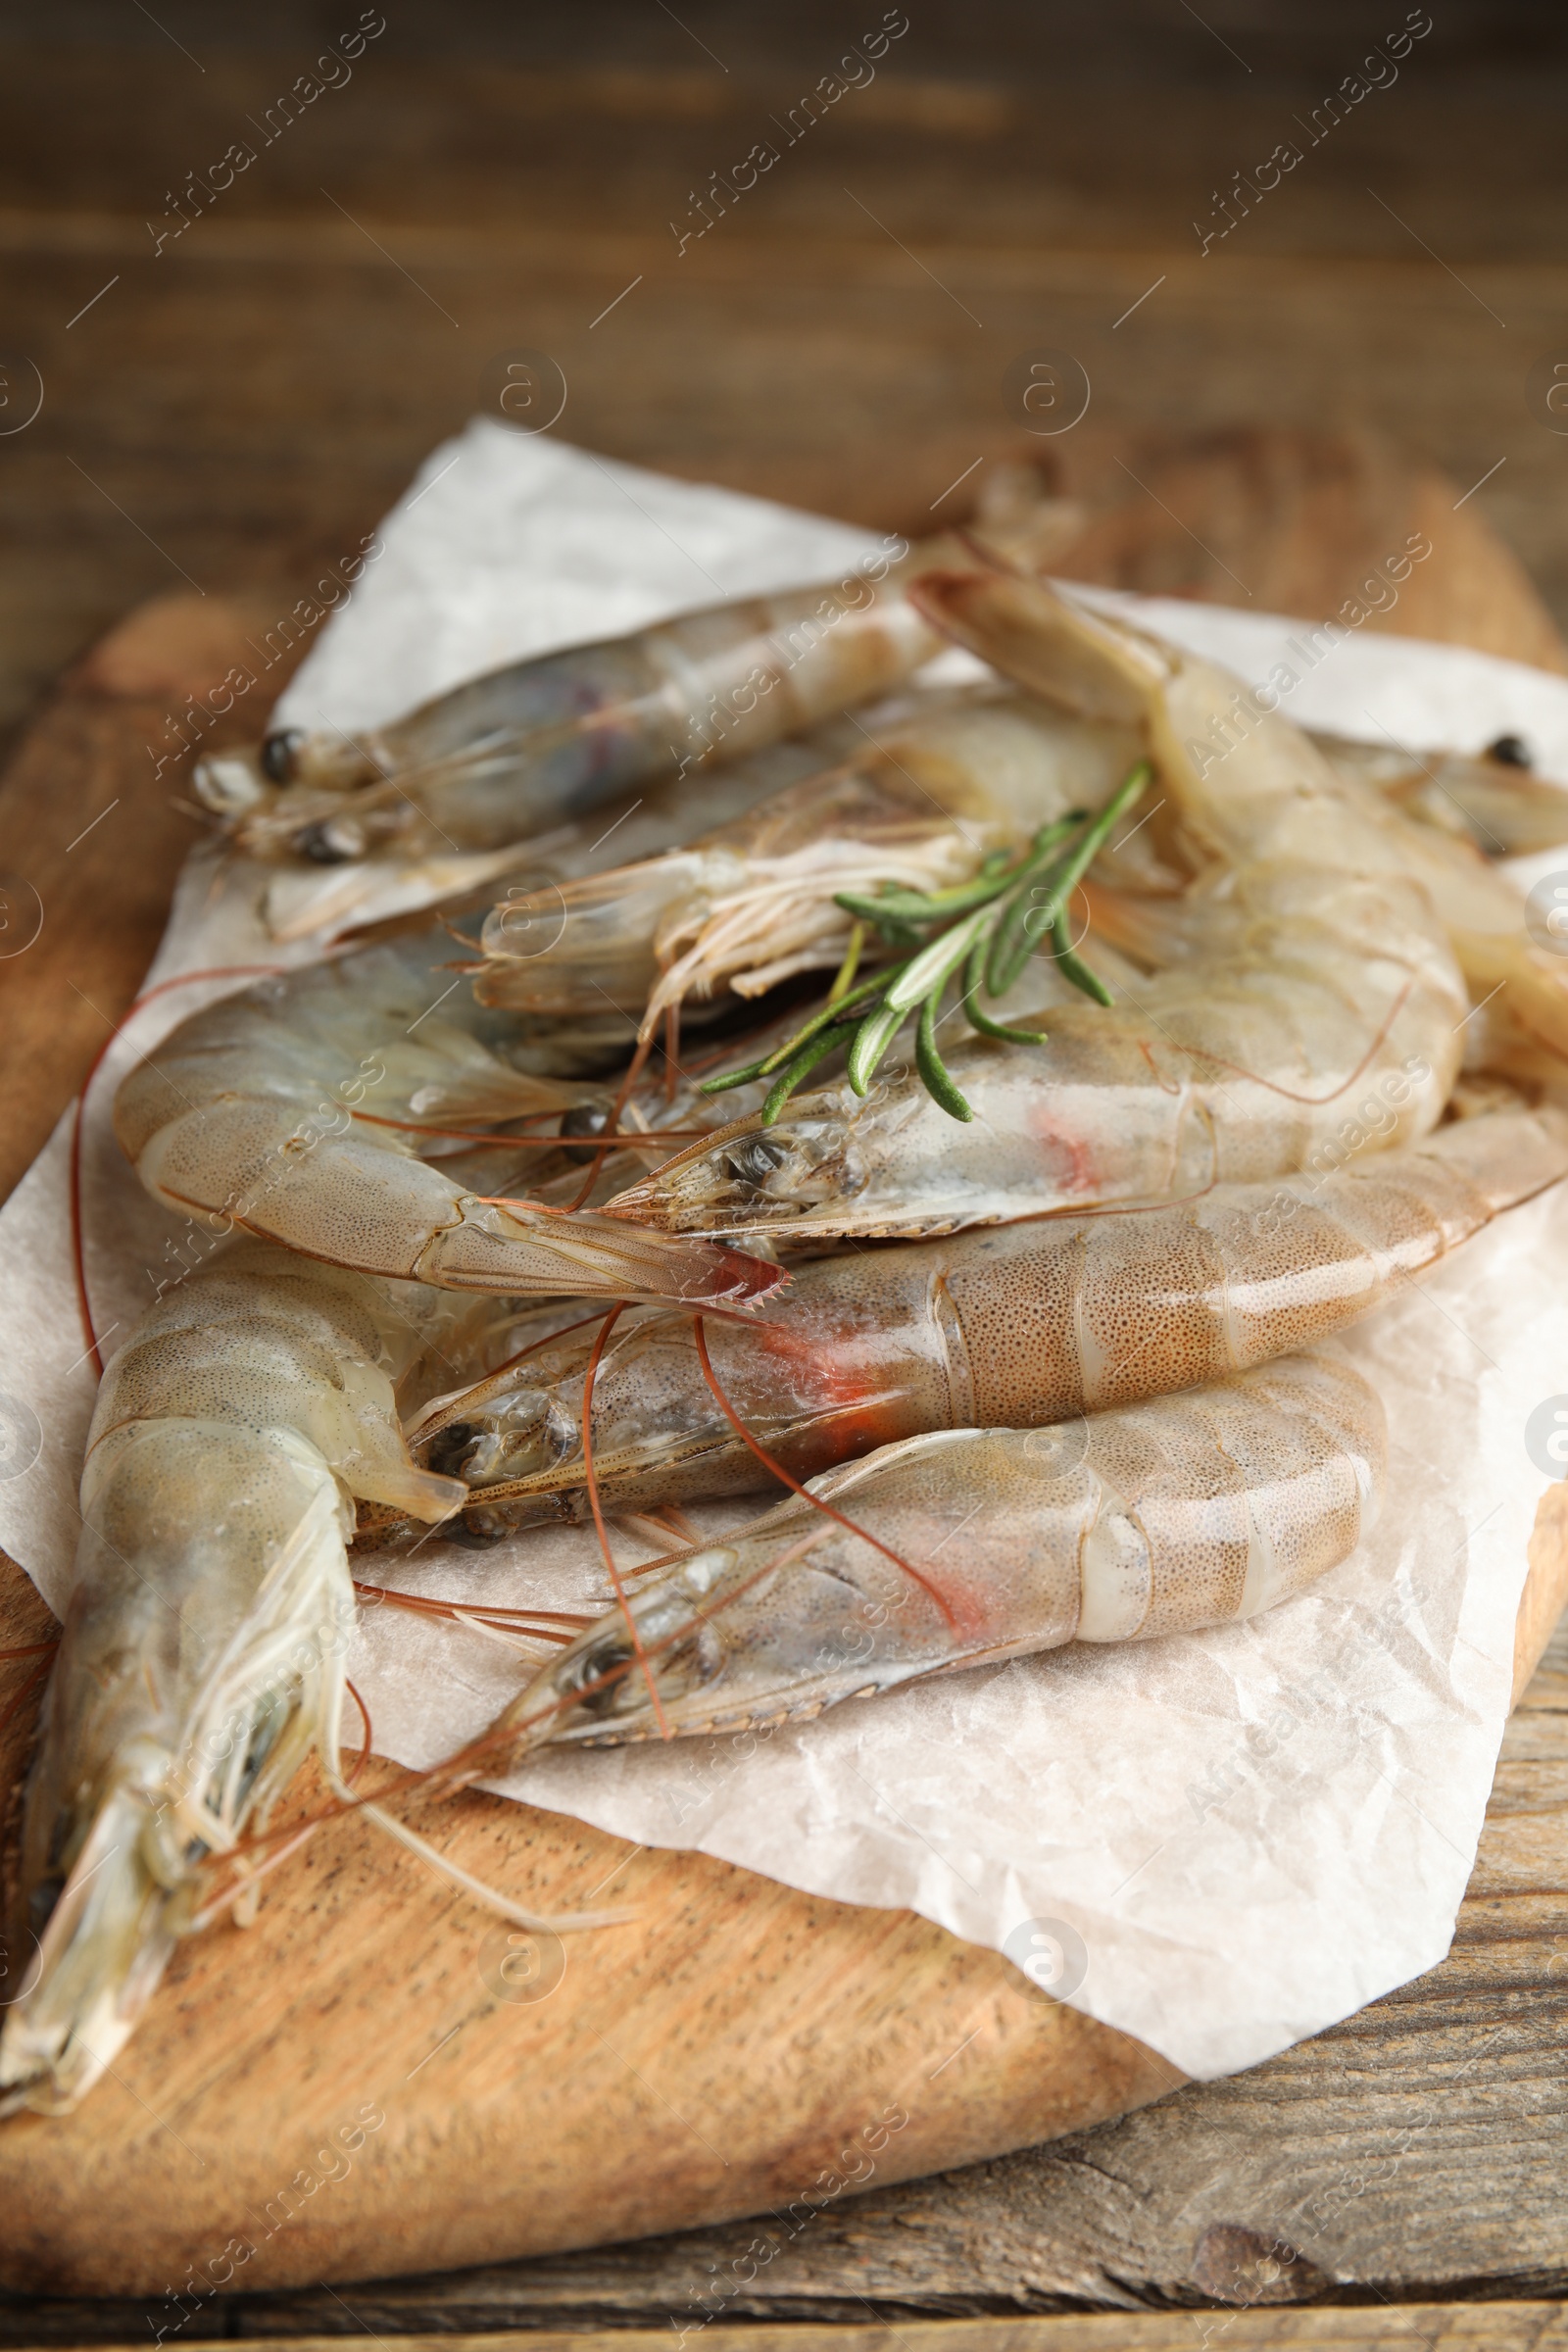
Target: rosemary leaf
x: 826, y: 1041
x: 1073, y: 967
x: 871, y: 1040
x: 936, y: 963
x: 939, y: 1083
x: 973, y: 978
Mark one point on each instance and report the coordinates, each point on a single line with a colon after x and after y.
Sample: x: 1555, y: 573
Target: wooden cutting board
x: 349, y: 2087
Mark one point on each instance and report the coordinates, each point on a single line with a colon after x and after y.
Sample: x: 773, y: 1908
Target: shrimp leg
x: 988, y: 1544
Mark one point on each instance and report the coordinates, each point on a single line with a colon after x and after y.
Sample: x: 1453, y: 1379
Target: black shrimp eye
x: 333, y: 841
x: 597, y: 1675
x: 753, y: 1161
x: 278, y: 754
x: 313, y: 844
x: 583, y: 1118
x: 1511, y: 751
x: 448, y: 1448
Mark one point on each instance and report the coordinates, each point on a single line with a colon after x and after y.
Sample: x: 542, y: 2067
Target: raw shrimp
x: 1005, y: 1326
x: 1518, y: 988
x: 1302, y: 961
x: 203, y: 1651
x: 297, y: 1108
x: 305, y: 899
x: 1464, y: 809
x: 980, y: 1545
x: 542, y: 741
x: 1494, y: 802
x: 920, y: 801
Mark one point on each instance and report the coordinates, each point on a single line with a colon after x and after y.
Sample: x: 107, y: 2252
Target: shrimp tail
x: 240, y: 1164
x: 1100, y: 671
x: 589, y: 1255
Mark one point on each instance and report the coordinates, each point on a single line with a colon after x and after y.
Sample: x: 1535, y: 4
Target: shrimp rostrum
x: 1301, y: 961
x: 1003, y: 1326
x: 968, y: 1546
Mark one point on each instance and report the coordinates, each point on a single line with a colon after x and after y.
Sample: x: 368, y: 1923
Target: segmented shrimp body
x: 1303, y: 968
x: 1440, y: 819
x: 1007, y: 1326
x: 297, y: 1109
x: 1518, y: 988
x: 540, y: 742
x: 970, y: 1546
x: 918, y: 800
x: 202, y: 1656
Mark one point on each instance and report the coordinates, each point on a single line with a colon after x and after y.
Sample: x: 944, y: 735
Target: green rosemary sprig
x: 988, y: 927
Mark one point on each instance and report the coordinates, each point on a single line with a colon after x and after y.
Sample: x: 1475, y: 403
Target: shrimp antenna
x: 540, y: 1922
x: 290, y: 1838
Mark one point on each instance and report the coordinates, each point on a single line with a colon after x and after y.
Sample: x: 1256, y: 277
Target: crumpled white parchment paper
x: 1231, y: 1838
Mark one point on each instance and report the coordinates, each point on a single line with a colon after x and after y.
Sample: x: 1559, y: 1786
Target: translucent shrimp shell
x: 1148, y: 1520
x: 202, y: 1654
x: 1005, y: 1326
x: 1304, y: 961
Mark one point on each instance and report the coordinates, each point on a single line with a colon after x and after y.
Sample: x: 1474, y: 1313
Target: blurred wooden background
x: 1020, y: 172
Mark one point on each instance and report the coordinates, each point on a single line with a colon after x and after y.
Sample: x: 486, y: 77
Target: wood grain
x: 1511, y: 2327
x: 1295, y: 522
x: 249, y: 399
x: 1416, y: 2149
x: 94, y: 834
x: 629, y: 2101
